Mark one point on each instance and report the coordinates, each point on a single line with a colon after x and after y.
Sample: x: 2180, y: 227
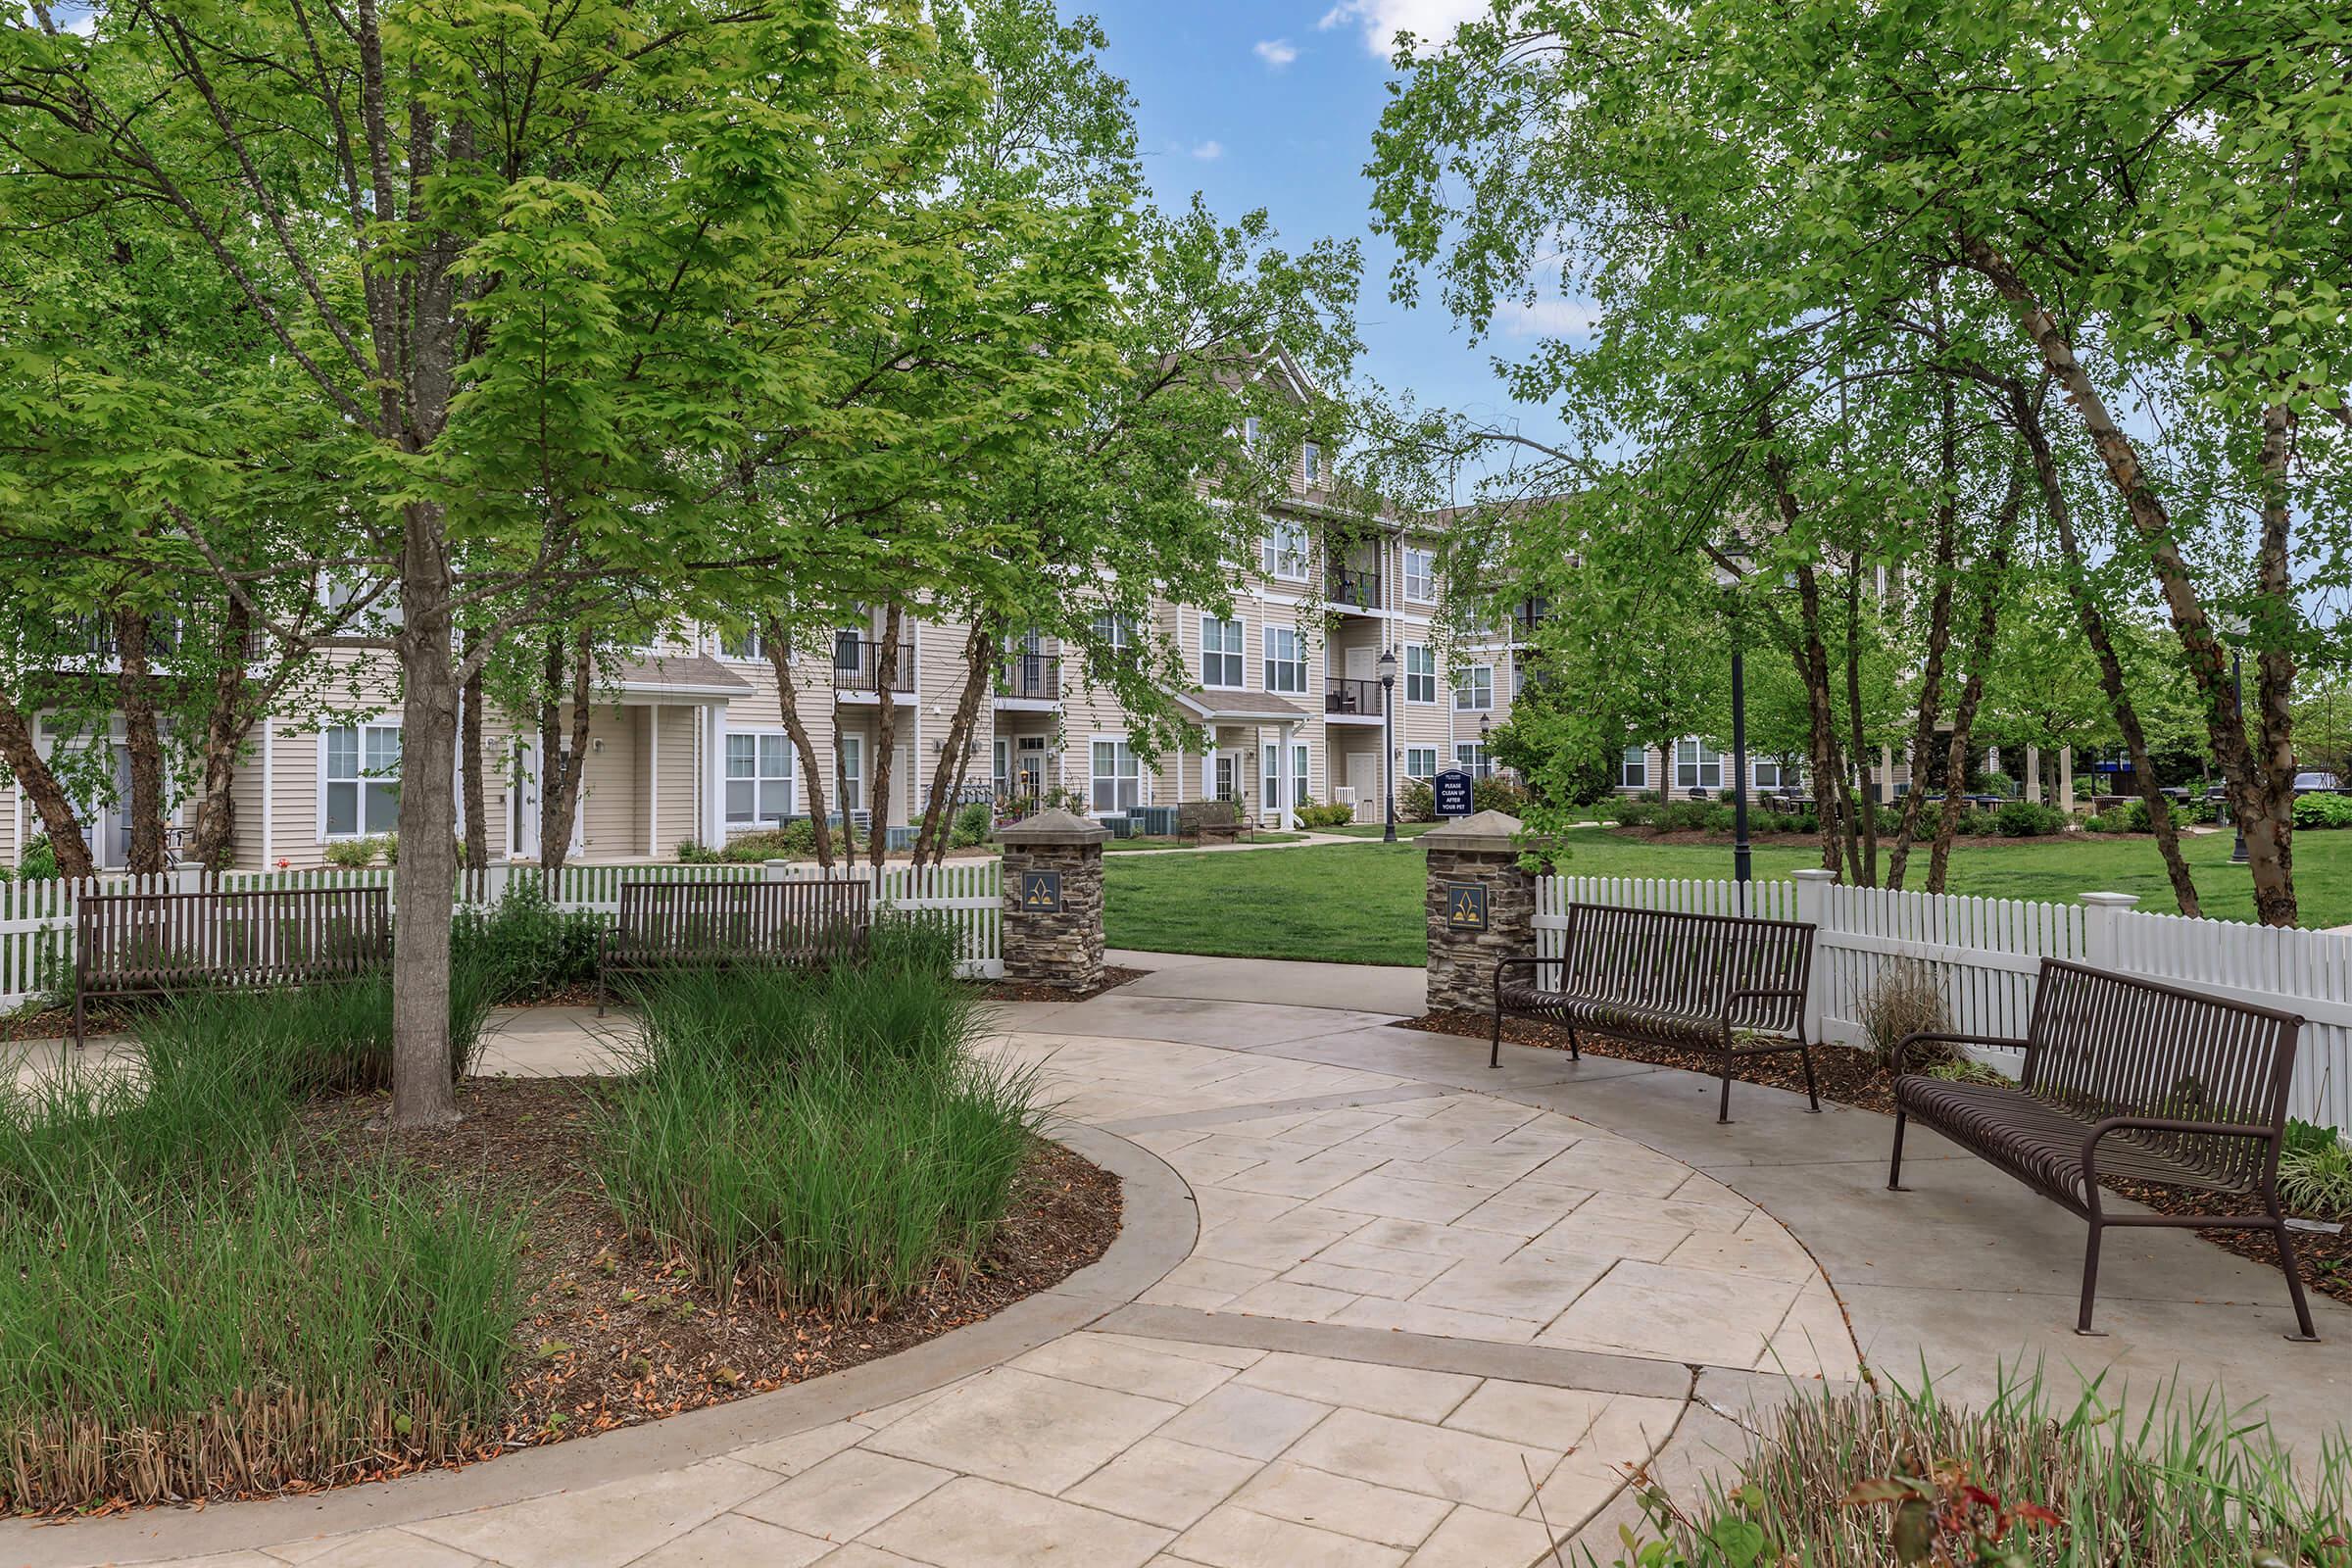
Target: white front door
x: 522, y: 803
x: 1364, y: 777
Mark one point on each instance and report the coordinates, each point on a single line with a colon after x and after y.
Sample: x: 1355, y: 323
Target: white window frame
x: 851, y: 767
x: 768, y: 747
x: 752, y: 648
x: 1269, y: 776
x: 1116, y: 631
x: 1421, y: 762
x: 1694, y: 761
x: 1474, y: 689
x: 1125, y: 778
x: 1420, y: 574
x: 1283, y: 551
x: 1632, y: 768
x: 1758, y: 768
x: 1280, y: 670
x: 1230, y: 651
x: 1472, y: 758
x: 1310, y: 464
x: 1002, y: 773
x: 1420, y: 673
x: 361, y: 780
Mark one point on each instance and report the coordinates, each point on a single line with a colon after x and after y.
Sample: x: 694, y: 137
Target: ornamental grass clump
x: 189, y: 1309
x: 832, y: 1140
x: 1866, y: 1479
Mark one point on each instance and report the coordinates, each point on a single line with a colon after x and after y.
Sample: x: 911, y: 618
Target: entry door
x: 522, y: 803
x: 1227, y: 776
x: 117, y: 836
x: 1364, y: 777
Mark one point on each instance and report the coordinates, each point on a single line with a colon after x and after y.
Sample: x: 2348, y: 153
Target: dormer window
x: 1311, y: 462
x: 1250, y: 431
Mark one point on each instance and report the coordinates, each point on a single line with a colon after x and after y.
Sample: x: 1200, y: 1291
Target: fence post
x: 775, y: 870
x: 187, y: 877
x: 1479, y: 909
x: 1813, y: 908
x: 2102, y: 914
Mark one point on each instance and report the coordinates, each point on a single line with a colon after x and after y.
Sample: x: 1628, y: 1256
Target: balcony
x: 1353, y: 589
x: 1351, y: 699
x: 1528, y: 618
x: 857, y: 666
x: 1026, y: 678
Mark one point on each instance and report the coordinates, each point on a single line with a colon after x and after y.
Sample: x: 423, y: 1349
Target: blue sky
x: 1272, y: 103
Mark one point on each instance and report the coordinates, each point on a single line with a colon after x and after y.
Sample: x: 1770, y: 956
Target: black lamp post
x: 1486, y: 757
x: 2238, y: 689
x: 1388, y: 744
x: 1736, y: 556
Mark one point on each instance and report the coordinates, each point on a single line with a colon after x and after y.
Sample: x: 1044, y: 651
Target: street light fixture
x: 1485, y: 764
x: 1388, y: 744
x: 2237, y: 688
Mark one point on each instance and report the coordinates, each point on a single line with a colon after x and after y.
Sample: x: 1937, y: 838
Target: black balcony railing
x: 858, y: 664
x: 1032, y: 676
x: 1343, y: 696
x: 1355, y: 588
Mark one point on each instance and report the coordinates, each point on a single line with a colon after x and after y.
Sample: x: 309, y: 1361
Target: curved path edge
x: 1158, y: 1225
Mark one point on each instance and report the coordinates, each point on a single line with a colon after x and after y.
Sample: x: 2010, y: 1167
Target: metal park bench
x: 2126, y: 1078
x: 155, y: 943
x: 1724, y: 984
x: 1204, y: 821
x: 667, y: 925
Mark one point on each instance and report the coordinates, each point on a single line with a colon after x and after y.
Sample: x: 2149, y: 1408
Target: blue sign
x: 1452, y: 789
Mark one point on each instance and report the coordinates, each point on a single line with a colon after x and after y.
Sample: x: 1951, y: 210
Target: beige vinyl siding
x: 679, y: 758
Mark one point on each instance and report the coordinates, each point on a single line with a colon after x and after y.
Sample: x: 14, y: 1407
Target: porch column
x: 715, y: 778
x: 2066, y: 779
x: 1283, y: 763
x: 2033, y: 775
x: 653, y: 782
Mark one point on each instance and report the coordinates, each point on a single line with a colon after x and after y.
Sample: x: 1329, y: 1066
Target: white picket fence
x: 1985, y: 954
x: 36, y: 918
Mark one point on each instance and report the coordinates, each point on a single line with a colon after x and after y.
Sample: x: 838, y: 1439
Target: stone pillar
x: 1480, y: 907
x: 2066, y: 779
x: 1053, y: 900
x: 2033, y: 775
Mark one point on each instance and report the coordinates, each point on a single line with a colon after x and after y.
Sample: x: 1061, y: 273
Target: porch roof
x: 680, y: 675
x: 1240, y: 707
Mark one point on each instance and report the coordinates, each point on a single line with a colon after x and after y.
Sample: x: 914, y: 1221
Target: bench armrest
x: 2004, y: 1042
x: 1525, y: 960
x: 2166, y: 1124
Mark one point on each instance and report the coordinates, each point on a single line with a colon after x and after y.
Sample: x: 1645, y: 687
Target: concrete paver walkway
x: 1375, y: 1304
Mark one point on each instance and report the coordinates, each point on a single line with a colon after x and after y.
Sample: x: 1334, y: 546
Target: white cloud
x: 1548, y: 318
x: 1208, y: 152
x: 1432, y: 21
x: 1275, y: 52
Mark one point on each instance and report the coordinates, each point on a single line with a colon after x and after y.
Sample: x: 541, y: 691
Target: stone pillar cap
x: 1488, y: 830
x: 1054, y: 827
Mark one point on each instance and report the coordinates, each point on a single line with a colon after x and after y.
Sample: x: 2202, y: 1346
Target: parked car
x: 2310, y: 781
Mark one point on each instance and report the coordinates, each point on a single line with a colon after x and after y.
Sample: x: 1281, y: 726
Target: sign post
x: 1452, y: 791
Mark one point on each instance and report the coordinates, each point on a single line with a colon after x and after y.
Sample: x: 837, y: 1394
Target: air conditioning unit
x: 1344, y: 794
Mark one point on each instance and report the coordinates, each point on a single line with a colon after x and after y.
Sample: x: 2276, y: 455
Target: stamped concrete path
x: 1373, y: 1304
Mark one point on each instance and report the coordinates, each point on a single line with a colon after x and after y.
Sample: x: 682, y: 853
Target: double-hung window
x: 1770, y: 775
x: 1117, y: 779
x: 1220, y: 652
x: 758, y: 779
x: 1114, y: 630
x: 1471, y: 758
x: 745, y: 644
x: 1310, y: 464
x: 1420, y: 673
x: 1420, y: 762
x: 1696, y: 765
x: 1473, y: 688
x: 1283, y: 551
x: 1286, y: 659
x: 1420, y: 574
x: 1633, y: 769
x: 361, y: 788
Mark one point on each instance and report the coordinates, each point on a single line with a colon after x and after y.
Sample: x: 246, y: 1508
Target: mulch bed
x: 617, y: 1331
x: 1020, y: 990
x: 1856, y: 1078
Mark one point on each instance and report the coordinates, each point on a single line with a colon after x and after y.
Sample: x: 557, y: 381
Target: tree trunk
x: 49, y: 801
x: 561, y: 768
x: 947, y: 779
x: 2102, y: 646
x: 1994, y: 581
x: 469, y: 763
x: 886, y: 733
x: 2267, y: 847
x: 1939, y: 624
x: 134, y: 694
x: 2268, y: 792
x: 423, y: 1091
x: 225, y: 727
x: 788, y: 699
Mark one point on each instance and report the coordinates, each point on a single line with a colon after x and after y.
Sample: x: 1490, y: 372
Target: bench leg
x: 1494, y: 1054
x: 1895, y: 1164
x: 2306, y: 1333
x: 2091, y: 1282
x: 1804, y: 1054
x: 1575, y: 1052
x: 1723, y: 1110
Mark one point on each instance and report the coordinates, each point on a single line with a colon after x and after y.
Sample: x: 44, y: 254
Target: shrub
x: 1636, y: 812
x: 1331, y: 815
x: 38, y: 864
x: 2097, y: 823
x: 524, y: 946
x: 1417, y: 801
x: 2027, y: 820
x: 692, y: 852
x: 2315, y: 1173
x: 1493, y: 794
x: 1861, y: 1478
x: 1904, y: 998
x: 833, y: 1138
x: 2323, y: 810
x: 354, y: 855
x: 1716, y: 818
x: 969, y: 827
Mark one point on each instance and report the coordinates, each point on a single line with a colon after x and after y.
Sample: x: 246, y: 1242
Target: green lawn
x: 1114, y: 845
x: 1373, y: 830
x: 1361, y: 904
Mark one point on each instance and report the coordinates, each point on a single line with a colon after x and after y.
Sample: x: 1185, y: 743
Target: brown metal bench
x: 1203, y: 820
x: 667, y: 925
x: 155, y: 943
x: 2126, y: 1078
x: 1719, y: 983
